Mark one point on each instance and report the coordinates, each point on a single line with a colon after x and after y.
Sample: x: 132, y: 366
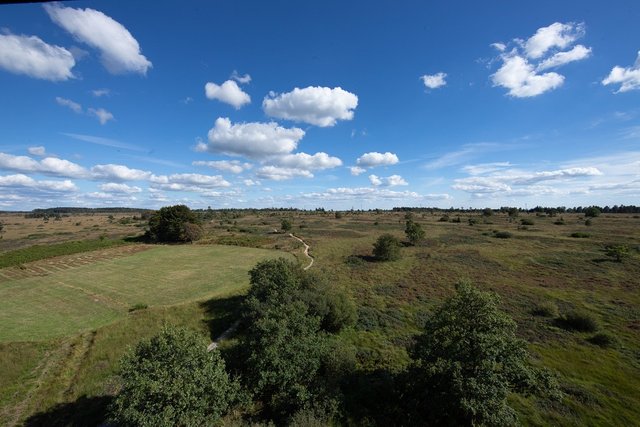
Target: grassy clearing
x: 38, y: 252
x: 89, y: 296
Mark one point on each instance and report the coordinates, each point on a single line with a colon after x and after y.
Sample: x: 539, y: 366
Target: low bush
x: 503, y: 235
x: 545, y: 309
x: 138, y: 306
x: 580, y: 235
x: 603, y: 340
x: 578, y: 321
x: 526, y: 221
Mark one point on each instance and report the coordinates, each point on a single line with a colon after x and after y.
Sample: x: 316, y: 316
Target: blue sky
x: 331, y: 104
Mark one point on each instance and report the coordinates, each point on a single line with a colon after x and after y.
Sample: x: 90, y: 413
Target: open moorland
x: 67, y: 320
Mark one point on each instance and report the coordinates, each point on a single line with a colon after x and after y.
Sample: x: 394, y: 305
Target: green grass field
x: 89, y: 296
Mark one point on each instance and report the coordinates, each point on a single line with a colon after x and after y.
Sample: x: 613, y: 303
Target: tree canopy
x: 173, y: 224
x: 170, y: 380
x: 467, y: 362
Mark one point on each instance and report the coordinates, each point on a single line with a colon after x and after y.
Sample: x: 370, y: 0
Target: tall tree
x: 171, y: 380
x: 467, y: 362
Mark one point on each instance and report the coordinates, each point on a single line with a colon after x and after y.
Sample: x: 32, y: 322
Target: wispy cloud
x: 107, y: 142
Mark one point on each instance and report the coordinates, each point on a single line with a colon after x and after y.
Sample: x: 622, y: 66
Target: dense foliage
x: 468, y: 360
x: 414, y: 232
x: 174, y: 224
x: 171, y: 380
x: 386, y: 248
x: 288, y: 313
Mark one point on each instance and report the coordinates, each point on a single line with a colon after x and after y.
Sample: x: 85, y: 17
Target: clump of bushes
x: 526, y: 221
x: 386, y: 248
x: 559, y: 221
x: 617, y: 252
x: 578, y: 321
x: 138, y: 306
x: 580, y: 235
x: 502, y: 235
x: 588, y: 222
x: 444, y: 218
x: 545, y: 309
x: 603, y: 340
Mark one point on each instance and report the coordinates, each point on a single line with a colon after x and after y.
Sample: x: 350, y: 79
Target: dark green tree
x: 414, y: 232
x: 468, y: 361
x: 591, y: 212
x: 168, y: 224
x: 286, y: 224
x: 285, y: 349
x: 387, y: 248
x: 171, y: 380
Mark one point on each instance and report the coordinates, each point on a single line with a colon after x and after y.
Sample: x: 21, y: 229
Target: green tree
x: 168, y: 224
x: 171, y: 380
x: 387, y: 248
x: 487, y: 212
x: 468, y: 361
x: 286, y: 224
x: 414, y: 232
x: 285, y: 349
x: 591, y: 212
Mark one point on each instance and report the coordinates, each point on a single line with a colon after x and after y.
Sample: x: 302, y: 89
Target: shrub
x: 603, y: 340
x: 171, y: 379
x: 588, y: 222
x: 285, y: 224
x: 444, y: 218
x: 414, y: 232
x: 338, y: 215
x: 578, y: 321
x: 560, y: 221
x: 138, y: 306
x: 386, y: 248
x: 526, y: 221
x: 592, y: 212
x: 545, y: 309
x: 580, y: 235
x: 617, y: 252
x: 472, y: 221
x: 487, y: 212
x: 502, y: 235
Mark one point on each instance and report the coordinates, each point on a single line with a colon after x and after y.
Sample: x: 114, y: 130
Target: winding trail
x: 235, y: 325
x: 306, y: 250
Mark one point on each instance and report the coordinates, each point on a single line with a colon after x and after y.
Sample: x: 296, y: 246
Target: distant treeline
x: 53, y: 212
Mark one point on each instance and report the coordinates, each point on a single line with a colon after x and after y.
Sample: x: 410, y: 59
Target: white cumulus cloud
x: 319, y: 106
x: 276, y: 173
x: 555, y: 35
x: 73, y: 106
x: 521, y: 69
x: 233, y: 166
x: 37, y: 151
x: 627, y: 77
x: 252, y: 140
x: 31, y: 56
x: 113, y: 187
x: 228, y: 92
x: 24, y: 181
x: 356, y: 170
x: 434, y: 81
x: 578, y: 53
x: 373, y: 159
x: 111, y: 172
x: 101, y: 114
x: 390, y: 181
x: 119, y: 50
x: 306, y: 161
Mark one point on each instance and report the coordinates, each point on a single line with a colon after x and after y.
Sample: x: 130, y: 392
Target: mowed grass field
x: 88, y: 296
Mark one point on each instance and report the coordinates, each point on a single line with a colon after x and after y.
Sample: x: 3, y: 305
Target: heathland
x: 67, y: 320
